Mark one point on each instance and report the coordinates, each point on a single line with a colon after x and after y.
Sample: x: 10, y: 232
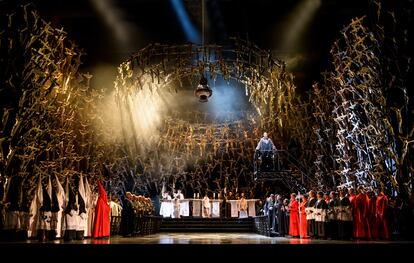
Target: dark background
x: 263, y: 22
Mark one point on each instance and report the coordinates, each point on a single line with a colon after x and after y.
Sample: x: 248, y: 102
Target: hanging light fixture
x: 203, y: 91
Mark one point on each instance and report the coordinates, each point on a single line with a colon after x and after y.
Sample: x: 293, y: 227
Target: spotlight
x: 203, y: 91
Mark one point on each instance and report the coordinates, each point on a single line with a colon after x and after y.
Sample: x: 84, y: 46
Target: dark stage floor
x: 209, y: 246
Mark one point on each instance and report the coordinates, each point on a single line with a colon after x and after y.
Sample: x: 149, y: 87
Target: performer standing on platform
x: 321, y: 216
x: 382, y: 217
x: 101, y: 227
x: 281, y: 216
x: 344, y: 216
x: 333, y: 207
x: 303, y: 222
x: 176, y: 207
x: 71, y: 214
x: 371, y: 214
x: 127, y: 216
x: 266, y: 149
x: 242, y: 206
x: 310, y: 216
x: 351, y: 196
x: 293, y: 216
x: 361, y: 212
x: 206, y: 206
x: 269, y: 211
x: 229, y: 196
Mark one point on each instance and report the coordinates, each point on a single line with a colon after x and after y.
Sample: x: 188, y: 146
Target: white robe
x: 206, y: 207
x: 34, y: 209
x: 91, y: 213
x: 72, y: 220
x: 83, y: 217
x: 89, y: 208
x: 166, y: 209
x: 45, y: 218
x: 61, y: 200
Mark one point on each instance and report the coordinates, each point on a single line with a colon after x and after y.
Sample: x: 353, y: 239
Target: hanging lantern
x: 203, y: 91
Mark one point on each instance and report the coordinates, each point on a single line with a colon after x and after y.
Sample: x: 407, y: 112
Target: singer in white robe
x: 60, y: 193
x: 206, y: 207
x: 166, y: 209
x: 242, y: 206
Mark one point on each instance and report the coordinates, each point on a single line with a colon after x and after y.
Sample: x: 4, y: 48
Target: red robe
x: 354, y: 215
x: 361, y: 211
x: 381, y: 215
x: 371, y: 217
x: 303, y: 222
x: 101, y: 227
x: 294, y: 218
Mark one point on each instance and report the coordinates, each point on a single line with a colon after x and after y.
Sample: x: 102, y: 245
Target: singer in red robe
x: 101, y: 226
x: 351, y: 198
x: 361, y: 212
x: 371, y: 216
x: 303, y: 222
x: 294, y: 216
x: 381, y: 215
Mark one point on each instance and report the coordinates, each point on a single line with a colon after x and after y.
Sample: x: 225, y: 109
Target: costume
x: 361, y: 212
x: 71, y: 214
x: 333, y: 224
x: 34, y: 209
x: 352, y: 200
x: 310, y: 216
x: 382, y: 216
x: 265, y: 149
x: 269, y: 211
x: 242, y: 208
x: 167, y: 208
x: 303, y: 221
x: 321, y: 218
x: 282, y: 224
x: 206, y: 207
x: 83, y: 214
x: 45, y: 215
x: 344, y: 216
x: 58, y: 216
x: 371, y: 216
x: 294, y: 218
x: 127, y: 218
x: 102, y: 222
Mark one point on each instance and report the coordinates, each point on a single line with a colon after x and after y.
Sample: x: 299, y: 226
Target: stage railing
x: 261, y: 225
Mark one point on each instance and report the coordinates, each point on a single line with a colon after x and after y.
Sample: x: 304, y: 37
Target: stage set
x: 206, y: 128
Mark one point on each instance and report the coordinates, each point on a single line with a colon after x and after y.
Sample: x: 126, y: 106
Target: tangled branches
x: 47, y: 115
x: 369, y: 120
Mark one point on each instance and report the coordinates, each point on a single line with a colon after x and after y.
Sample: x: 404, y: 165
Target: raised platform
x: 197, y: 224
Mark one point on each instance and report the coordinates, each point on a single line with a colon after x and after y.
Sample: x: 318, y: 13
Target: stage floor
x: 211, y: 239
x: 206, y: 246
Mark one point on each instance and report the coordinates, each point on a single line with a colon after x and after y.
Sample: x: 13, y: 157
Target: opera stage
x: 208, y: 246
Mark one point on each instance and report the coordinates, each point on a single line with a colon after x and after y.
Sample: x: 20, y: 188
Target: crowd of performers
x: 136, y: 211
x: 77, y: 211
x: 53, y: 211
x: 340, y: 215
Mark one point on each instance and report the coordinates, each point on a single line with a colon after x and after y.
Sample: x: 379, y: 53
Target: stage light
x: 203, y: 91
x: 189, y: 29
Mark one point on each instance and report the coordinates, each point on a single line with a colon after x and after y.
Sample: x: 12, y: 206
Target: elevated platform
x: 286, y: 177
x: 197, y: 224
